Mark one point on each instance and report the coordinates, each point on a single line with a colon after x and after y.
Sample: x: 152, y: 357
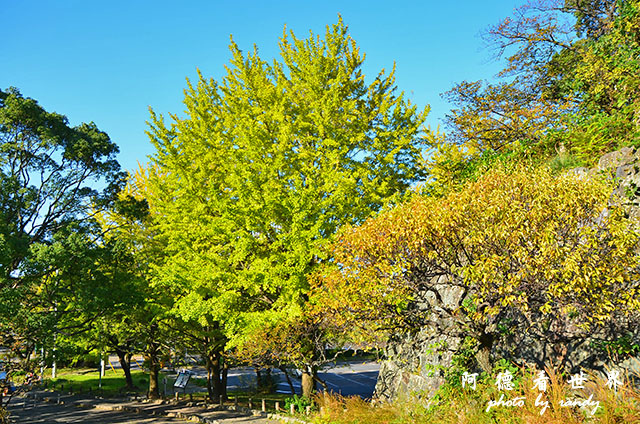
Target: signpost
x: 182, y: 380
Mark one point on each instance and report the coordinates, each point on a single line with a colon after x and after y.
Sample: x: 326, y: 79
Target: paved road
x: 348, y: 379
x: 352, y: 379
x: 356, y: 378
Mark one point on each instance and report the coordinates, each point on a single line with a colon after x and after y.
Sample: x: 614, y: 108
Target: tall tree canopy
x: 49, y: 174
x: 139, y: 322
x: 263, y: 169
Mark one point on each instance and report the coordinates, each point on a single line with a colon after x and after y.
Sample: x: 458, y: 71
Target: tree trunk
x: 216, y: 375
x: 484, y: 352
x: 125, y: 363
x: 308, y: 383
x: 210, y: 389
x: 268, y: 381
x: 154, y: 388
x: 223, y: 380
x: 258, y: 379
x: 153, y: 360
x: 215, y: 386
x: 320, y: 381
x: 289, y: 382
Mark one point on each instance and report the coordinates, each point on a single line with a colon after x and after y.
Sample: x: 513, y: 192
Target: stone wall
x: 416, y: 362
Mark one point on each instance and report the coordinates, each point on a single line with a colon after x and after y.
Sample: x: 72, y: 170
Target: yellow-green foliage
x: 543, y: 245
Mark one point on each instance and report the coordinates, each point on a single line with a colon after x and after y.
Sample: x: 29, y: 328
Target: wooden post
x: 177, y: 396
x: 190, y: 397
x: 292, y: 409
x: 277, y: 406
x: 264, y: 405
x: 58, y: 399
x: 221, y: 400
x: 250, y: 404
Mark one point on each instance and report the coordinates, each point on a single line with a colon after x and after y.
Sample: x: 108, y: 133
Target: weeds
x: 560, y: 403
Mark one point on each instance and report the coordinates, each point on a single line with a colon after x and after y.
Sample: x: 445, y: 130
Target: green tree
x: 139, y: 320
x: 48, y: 174
x: 263, y: 169
x: 50, y: 283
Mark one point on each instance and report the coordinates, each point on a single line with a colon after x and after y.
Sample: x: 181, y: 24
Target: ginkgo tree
x: 264, y: 167
x: 139, y: 322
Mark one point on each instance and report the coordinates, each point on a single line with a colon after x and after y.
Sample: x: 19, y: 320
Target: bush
x: 300, y: 402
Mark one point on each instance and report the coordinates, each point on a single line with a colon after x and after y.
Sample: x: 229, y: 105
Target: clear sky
x: 108, y: 61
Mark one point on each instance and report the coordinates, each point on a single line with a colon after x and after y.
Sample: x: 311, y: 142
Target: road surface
x: 354, y: 378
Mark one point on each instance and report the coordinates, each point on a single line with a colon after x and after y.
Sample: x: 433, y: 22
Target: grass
x: 88, y: 380
x: 455, y: 405
x: 113, y: 384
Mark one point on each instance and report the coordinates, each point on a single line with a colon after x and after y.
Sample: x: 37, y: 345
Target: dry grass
x: 455, y: 406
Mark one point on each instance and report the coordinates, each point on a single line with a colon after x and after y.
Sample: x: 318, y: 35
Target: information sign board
x: 182, y: 380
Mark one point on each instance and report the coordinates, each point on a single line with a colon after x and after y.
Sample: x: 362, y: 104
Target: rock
x: 580, y: 172
x: 417, y: 362
x: 613, y: 160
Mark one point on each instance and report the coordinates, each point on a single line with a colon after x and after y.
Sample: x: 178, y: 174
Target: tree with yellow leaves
x: 548, y: 256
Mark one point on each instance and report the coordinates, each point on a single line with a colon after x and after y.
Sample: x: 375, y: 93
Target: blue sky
x: 108, y: 61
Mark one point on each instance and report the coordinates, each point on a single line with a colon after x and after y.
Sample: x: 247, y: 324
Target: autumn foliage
x: 521, y: 242
x: 569, y: 89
